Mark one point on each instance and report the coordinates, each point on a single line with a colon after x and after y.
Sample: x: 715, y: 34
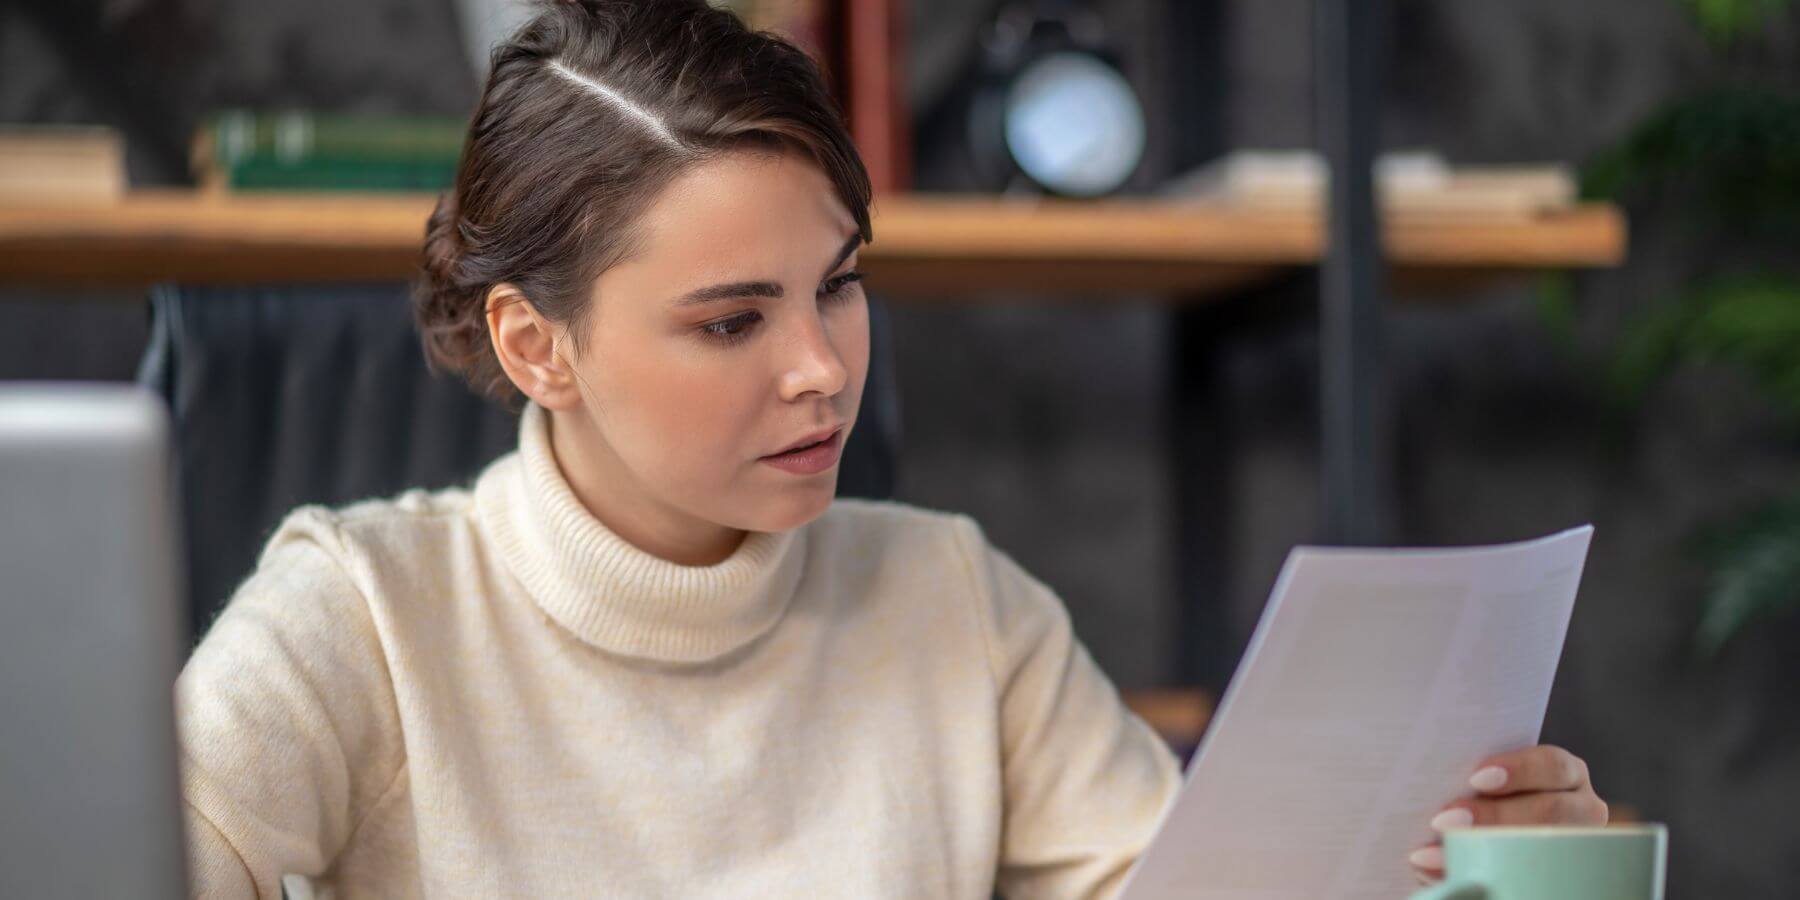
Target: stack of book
x: 1419, y: 184
x: 251, y: 150
x: 61, y: 164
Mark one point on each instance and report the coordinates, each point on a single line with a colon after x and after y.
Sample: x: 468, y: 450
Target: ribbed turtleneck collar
x: 608, y: 592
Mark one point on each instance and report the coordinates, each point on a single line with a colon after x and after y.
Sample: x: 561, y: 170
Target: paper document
x: 1375, y: 681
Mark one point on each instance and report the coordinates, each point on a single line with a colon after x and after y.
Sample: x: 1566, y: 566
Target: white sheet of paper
x: 1375, y: 681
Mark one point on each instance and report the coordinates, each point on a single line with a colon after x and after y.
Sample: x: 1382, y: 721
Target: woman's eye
x: 737, y: 328
x: 840, y: 284
x: 733, y: 329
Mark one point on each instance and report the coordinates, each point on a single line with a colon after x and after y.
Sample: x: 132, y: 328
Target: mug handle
x: 1453, y: 890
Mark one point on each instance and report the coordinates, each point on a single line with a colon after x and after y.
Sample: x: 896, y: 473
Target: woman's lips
x: 814, y: 438
x: 812, y: 460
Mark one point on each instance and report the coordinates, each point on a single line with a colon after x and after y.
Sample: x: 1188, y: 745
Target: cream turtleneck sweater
x: 487, y: 693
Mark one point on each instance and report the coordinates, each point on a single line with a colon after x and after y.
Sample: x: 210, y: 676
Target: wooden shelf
x: 924, y: 245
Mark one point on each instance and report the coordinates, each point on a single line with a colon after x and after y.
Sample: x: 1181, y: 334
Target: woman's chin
x: 793, y: 507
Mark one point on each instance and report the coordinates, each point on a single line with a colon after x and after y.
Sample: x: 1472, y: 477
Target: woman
x: 648, y: 654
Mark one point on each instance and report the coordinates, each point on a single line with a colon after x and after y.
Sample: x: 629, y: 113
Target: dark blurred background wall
x: 1050, y: 423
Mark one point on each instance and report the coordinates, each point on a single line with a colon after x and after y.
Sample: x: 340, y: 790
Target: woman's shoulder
x: 405, y: 510
x: 324, y: 569
x: 354, y: 536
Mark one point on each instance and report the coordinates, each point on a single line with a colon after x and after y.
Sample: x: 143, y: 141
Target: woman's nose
x: 812, y: 364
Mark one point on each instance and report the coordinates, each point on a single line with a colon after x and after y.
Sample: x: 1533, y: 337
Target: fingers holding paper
x: 1541, y: 785
x: 1533, y: 769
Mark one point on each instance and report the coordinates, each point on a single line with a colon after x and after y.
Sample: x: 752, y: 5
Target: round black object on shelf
x: 1051, y: 109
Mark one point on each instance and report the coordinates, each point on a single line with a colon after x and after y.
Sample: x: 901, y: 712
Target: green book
x: 329, y: 175
x: 299, y: 150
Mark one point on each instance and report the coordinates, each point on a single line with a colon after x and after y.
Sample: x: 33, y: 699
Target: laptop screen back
x: 90, y: 643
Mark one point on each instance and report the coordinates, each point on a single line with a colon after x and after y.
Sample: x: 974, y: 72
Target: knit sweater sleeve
x: 286, y: 718
x: 1085, y: 780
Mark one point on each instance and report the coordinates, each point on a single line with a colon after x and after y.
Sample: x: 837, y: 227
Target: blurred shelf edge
x: 924, y: 244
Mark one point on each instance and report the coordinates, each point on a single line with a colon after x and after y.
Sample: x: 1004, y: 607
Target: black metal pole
x: 1191, y: 103
x: 1347, y: 97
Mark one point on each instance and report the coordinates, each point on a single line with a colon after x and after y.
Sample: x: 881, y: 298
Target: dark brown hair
x: 588, y: 112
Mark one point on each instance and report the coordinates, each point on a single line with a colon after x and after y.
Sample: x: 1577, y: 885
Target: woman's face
x: 736, y: 331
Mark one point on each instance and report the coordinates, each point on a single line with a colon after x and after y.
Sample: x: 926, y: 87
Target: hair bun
x: 448, y: 306
x: 443, y: 240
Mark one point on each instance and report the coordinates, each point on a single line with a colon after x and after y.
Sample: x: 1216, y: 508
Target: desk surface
x: 923, y: 244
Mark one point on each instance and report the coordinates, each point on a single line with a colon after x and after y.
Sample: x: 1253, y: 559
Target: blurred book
x: 860, y: 47
x: 874, y: 91
x: 255, y: 150
x: 1419, y: 184
x: 61, y: 164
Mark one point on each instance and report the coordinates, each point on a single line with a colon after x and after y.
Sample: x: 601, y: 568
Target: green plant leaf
x: 1726, y: 20
x: 1749, y: 322
x: 1755, y: 575
x: 1753, y: 323
x: 1732, y: 150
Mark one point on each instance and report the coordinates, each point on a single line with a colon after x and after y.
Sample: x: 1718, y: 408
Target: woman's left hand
x: 1540, y: 785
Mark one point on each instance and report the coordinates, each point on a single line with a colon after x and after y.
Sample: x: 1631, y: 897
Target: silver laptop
x: 91, y: 638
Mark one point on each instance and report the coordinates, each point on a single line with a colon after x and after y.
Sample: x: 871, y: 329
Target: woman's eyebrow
x: 738, y: 290
x: 732, y: 291
x: 844, y: 252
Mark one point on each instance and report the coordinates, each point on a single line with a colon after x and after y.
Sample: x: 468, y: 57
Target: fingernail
x: 1428, y: 857
x: 1491, y: 778
x: 1455, y: 817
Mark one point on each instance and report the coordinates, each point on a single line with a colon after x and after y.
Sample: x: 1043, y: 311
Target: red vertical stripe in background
x: 876, y: 94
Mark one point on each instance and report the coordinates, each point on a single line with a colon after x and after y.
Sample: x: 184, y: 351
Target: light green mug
x: 1552, y: 862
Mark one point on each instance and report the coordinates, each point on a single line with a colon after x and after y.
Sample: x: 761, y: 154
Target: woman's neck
x: 600, y: 480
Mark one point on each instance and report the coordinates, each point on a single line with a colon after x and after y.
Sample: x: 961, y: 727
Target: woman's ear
x: 526, y: 345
